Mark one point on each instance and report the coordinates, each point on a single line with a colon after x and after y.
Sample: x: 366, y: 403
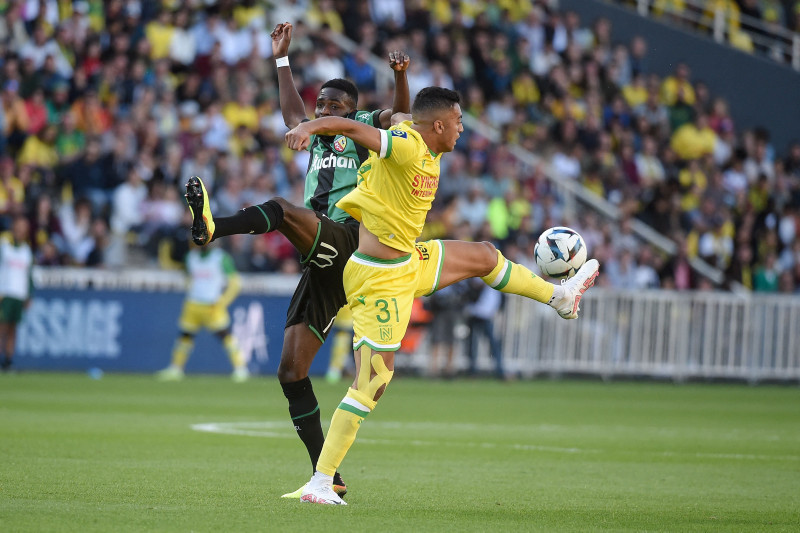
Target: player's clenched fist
x: 398, y: 60
x: 281, y: 38
x: 299, y: 137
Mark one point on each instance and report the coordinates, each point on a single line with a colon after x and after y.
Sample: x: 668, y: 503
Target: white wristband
x: 282, y: 61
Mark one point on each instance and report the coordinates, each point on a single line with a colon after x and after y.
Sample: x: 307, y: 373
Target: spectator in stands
x: 481, y: 315
x: 16, y: 123
x: 765, y: 278
x: 445, y: 307
x: 694, y: 140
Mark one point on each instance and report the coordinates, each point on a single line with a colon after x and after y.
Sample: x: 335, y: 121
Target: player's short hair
x: 434, y: 99
x: 346, y: 86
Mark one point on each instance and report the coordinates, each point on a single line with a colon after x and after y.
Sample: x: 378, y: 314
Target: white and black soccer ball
x: 560, y: 252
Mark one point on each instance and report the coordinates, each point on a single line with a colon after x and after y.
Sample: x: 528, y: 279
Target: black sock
x: 255, y: 219
x: 304, y: 410
x: 6, y: 364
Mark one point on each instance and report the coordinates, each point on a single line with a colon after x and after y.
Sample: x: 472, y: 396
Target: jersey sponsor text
x: 332, y: 161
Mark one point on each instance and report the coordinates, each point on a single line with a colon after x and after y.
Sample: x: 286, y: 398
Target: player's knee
x: 486, y: 258
x: 287, y: 207
x: 289, y: 371
x: 377, y: 384
x: 379, y: 392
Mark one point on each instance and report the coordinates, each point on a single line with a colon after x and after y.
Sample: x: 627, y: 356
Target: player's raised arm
x: 292, y: 107
x: 299, y: 137
x: 398, y: 61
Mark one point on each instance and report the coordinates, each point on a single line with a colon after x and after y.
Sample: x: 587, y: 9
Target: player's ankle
x: 321, y: 479
x: 558, y: 293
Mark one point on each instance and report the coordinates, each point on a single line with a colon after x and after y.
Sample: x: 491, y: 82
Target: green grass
x: 119, y: 454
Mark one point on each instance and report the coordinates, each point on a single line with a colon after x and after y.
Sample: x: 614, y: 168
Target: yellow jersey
x: 395, y: 188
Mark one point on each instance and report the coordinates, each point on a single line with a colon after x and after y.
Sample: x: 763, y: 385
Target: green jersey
x: 333, y: 168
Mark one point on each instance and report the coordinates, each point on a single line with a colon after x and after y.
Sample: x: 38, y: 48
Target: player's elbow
x: 292, y: 121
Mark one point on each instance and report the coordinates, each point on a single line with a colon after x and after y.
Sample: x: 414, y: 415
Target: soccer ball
x: 560, y: 252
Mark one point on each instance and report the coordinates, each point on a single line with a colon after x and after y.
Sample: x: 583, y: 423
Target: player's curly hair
x: 434, y: 99
x: 346, y: 86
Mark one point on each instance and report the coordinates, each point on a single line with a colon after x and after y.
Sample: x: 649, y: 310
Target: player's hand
x: 299, y: 137
x: 281, y: 38
x: 398, y: 60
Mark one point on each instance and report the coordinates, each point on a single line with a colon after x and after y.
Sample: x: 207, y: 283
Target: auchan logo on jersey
x: 332, y: 161
x: 424, y: 186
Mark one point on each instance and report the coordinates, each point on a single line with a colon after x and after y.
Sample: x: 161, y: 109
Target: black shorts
x: 319, y: 295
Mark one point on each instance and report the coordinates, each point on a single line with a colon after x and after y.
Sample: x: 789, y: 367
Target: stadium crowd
x: 107, y: 108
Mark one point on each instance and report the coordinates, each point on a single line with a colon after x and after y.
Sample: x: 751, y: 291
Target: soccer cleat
x: 338, y: 485
x: 171, y: 373
x: 339, y: 488
x: 568, y: 305
x: 319, y: 493
x: 296, y: 494
x: 202, y: 220
x: 240, y: 374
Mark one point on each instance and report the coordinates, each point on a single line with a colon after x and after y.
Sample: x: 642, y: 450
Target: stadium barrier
x: 658, y: 334
x: 82, y: 319
x: 127, y: 322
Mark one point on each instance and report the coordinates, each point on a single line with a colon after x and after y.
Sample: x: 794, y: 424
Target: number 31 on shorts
x: 386, y: 310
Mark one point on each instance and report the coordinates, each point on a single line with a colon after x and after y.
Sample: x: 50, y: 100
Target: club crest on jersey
x: 398, y: 133
x: 340, y: 143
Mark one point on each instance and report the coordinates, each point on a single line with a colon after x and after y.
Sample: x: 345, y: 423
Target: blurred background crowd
x: 108, y: 107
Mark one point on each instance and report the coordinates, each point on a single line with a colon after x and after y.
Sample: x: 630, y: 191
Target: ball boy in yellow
x: 396, y: 187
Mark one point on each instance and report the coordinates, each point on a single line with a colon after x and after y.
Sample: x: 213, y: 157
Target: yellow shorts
x: 195, y: 316
x: 380, y: 293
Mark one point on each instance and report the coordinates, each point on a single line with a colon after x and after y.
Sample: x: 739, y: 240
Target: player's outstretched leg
x: 566, y: 300
x: 481, y: 259
x: 253, y: 220
x: 202, y: 220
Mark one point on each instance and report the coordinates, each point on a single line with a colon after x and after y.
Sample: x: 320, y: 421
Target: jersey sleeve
x: 398, y: 146
x: 373, y: 118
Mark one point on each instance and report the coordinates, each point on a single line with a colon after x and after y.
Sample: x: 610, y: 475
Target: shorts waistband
x: 364, y: 259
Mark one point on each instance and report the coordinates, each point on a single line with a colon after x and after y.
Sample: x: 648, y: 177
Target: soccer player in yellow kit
x: 396, y: 187
x: 213, y: 285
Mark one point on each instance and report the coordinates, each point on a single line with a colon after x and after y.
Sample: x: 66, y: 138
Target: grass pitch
x: 127, y: 453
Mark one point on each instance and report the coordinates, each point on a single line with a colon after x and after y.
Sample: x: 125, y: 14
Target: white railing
x: 726, y: 25
x: 150, y: 280
x: 664, y: 334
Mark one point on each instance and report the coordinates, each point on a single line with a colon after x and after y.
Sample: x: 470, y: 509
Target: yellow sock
x: 511, y: 278
x: 234, y: 354
x: 346, y: 420
x: 180, y: 353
